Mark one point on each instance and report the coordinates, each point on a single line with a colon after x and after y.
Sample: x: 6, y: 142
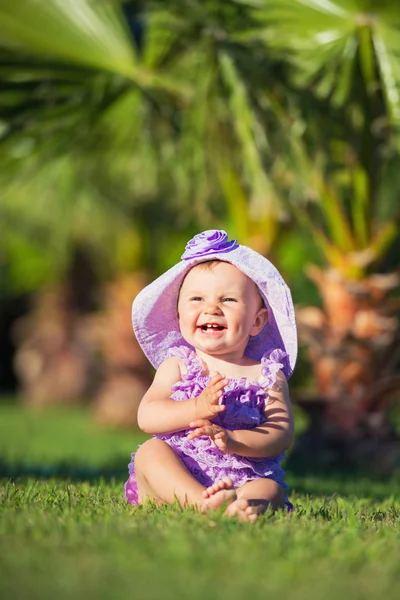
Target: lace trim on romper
x: 245, y: 402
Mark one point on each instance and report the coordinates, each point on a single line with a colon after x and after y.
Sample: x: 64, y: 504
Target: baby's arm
x: 159, y: 414
x: 275, y: 435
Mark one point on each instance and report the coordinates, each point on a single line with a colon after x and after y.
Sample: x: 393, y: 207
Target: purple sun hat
x: 154, y: 311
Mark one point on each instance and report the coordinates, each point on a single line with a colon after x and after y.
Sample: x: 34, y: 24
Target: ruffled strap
x: 192, y: 363
x: 270, y: 365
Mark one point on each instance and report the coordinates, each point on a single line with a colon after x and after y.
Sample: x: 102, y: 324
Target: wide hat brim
x: 155, y: 319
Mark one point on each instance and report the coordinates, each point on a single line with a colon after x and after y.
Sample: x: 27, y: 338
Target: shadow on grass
x: 343, y: 483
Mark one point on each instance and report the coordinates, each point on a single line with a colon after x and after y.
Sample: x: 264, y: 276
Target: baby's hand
x: 206, y: 404
x: 220, y: 436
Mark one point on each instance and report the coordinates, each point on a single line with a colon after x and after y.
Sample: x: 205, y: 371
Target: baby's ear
x: 260, y: 321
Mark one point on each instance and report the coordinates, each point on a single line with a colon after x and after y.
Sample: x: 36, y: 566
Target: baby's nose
x: 212, y: 308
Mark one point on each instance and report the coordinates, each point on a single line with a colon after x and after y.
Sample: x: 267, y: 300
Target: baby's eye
x: 228, y: 299
x: 196, y: 299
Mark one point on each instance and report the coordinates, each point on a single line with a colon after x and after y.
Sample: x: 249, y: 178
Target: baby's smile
x: 211, y: 327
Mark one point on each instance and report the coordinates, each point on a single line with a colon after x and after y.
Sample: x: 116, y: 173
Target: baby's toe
x: 252, y: 513
x: 252, y: 517
x: 228, y: 483
x: 210, y: 490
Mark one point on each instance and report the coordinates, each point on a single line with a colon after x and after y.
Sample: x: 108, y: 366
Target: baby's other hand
x: 219, y: 435
x: 206, y: 404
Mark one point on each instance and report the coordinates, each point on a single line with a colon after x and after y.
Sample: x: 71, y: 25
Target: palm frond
x: 325, y: 39
x: 90, y: 34
x: 253, y: 143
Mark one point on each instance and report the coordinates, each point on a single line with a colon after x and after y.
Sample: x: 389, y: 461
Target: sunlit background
x: 126, y: 127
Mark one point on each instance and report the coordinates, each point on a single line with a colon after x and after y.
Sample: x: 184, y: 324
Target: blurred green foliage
x: 127, y: 127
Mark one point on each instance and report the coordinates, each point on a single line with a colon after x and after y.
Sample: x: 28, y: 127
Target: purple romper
x: 245, y: 403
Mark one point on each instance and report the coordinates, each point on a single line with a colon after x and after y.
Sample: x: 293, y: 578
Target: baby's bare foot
x: 222, y: 484
x: 241, y: 510
x: 219, y: 493
x: 222, y: 493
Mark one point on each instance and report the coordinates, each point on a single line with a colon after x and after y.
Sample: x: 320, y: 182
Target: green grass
x: 65, y: 538
x: 61, y: 436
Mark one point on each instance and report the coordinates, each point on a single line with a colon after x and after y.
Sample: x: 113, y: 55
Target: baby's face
x: 219, y: 308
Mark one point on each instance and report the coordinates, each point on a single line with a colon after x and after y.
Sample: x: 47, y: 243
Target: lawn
x: 66, y: 531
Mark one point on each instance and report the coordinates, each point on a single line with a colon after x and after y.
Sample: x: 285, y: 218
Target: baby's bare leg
x: 163, y: 477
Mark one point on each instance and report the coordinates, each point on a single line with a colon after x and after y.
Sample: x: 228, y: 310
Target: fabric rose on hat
x: 208, y: 242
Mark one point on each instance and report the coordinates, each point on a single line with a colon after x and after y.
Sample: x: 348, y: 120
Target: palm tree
x: 180, y: 85
x: 345, y: 64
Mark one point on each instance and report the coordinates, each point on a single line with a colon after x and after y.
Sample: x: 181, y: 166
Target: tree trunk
x: 55, y: 361
x: 353, y: 346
